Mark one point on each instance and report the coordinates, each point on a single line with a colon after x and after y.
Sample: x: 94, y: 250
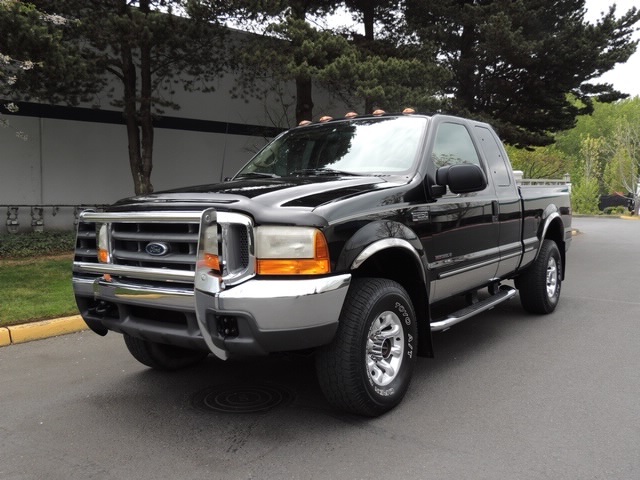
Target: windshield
x: 386, y: 145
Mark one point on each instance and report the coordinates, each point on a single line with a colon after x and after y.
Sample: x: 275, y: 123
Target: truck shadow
x: 288, y: 381
x: 259, y: 407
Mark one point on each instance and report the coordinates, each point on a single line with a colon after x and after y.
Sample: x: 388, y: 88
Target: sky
x: 624, y: 77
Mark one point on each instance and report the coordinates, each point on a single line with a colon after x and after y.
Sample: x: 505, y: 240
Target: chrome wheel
x: 552, y: 277
x: 367, y: 367
x: 385, y: 349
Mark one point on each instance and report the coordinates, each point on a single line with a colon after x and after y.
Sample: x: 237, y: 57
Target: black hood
x: 310, y: 192
x: 281, y: 200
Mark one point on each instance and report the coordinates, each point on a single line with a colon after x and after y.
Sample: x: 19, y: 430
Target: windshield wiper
x: 256, y: 175
x: 319, y: 171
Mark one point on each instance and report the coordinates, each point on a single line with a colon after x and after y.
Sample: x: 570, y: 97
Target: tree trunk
x: 465, y: 97
x: 139, y: 123
x: 130, y: 116
x: 304, y: 99
x: 146, y: 117
x: 304, y: 95
x: 368, y: 17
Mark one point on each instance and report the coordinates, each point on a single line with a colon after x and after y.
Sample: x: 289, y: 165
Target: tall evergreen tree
x: 393, y: 70
x: 515, y: 62
x: 284, y: 46
x: 365, y: 72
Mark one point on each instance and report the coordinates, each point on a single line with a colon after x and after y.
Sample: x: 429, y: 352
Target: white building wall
x: 79, y: 162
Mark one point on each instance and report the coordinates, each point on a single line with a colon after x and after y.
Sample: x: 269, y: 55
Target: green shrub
x: 34, y: 244
x: 585, y: 197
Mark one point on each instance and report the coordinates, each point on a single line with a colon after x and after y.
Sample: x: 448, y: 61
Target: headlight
x: 291, y: 251
x: 102, y: 235
x: 209, y: 256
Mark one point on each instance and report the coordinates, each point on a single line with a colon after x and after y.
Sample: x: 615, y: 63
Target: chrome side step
x: 503, y: 295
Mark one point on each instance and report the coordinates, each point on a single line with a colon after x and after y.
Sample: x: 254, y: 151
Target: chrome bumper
x: 135, y: 294
x: 268, y: 315
x: 272, y: 315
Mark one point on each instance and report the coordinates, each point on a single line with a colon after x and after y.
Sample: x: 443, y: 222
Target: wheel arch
x: 398, y: 260
x: 553, y: 229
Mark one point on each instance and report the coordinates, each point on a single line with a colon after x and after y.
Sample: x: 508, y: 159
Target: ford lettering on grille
x: 157, y: 249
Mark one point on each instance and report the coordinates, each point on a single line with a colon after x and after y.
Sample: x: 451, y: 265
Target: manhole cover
x: 242, y: 398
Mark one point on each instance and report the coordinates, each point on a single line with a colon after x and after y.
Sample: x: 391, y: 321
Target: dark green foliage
x: 514, y: 63
x: 36, y: 245
x: 363, y: 71
x: 55, y: 69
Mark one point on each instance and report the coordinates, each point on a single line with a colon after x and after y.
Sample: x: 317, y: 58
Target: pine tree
x: 364, y: 71
x: 394, y: 71
x: 515, y: 62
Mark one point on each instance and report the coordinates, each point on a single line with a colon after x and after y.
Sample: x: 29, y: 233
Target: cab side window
x: 453, y: 145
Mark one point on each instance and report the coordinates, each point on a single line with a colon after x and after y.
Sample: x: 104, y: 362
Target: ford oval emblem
x: 157, y: 249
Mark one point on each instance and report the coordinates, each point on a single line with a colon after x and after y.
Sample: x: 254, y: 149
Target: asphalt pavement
x: 509, y: 396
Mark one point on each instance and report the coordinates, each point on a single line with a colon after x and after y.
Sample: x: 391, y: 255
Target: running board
x: 503, y: 295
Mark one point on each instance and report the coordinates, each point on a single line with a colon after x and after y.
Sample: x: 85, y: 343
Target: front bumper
x: 256, y: 317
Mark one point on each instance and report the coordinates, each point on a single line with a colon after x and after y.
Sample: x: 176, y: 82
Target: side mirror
x: 462, y: 178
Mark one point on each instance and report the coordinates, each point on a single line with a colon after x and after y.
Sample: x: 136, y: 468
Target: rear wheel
x: 540, y: 285
x: 161, y: 356
x: 367, y: 368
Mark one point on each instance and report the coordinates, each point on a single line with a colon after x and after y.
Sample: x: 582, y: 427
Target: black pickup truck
x: 342, y: 238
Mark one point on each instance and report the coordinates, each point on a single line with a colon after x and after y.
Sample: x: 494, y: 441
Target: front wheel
x: 367, y: 368
x: 540, y: 285
x: 161, y: 356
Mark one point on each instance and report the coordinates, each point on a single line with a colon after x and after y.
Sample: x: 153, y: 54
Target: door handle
x: 495, y: 210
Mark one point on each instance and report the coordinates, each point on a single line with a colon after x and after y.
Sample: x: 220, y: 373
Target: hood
x: 290, y: 201
x: 306, y: 192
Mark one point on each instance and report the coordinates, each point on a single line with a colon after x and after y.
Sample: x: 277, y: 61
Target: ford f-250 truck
x: 338, y: 237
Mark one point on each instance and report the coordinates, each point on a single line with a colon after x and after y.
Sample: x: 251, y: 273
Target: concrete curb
x: 27, y: 332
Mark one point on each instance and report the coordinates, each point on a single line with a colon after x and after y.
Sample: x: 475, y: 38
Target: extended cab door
x: 462, y: 245
x: 509, y: 214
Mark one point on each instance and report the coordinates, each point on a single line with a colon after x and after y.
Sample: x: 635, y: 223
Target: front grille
x: 167, y: 241
x: 129, y: 242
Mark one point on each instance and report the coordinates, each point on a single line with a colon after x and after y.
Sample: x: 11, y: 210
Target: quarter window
x: 492, y: 153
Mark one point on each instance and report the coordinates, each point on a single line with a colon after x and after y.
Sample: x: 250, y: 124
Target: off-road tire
x: 367, y: 368
x: 540, y: 285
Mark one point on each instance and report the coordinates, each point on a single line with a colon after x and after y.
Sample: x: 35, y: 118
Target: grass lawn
x: 36, y: 289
